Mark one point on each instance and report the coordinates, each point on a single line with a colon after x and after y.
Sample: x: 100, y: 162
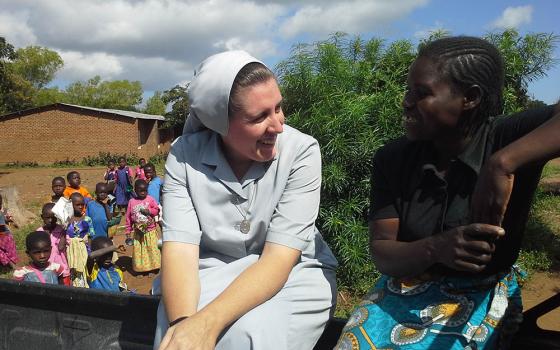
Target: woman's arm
x: 179, y: 279
x: 495, y: 182
x: 464, y: 248
x: 245, y: 293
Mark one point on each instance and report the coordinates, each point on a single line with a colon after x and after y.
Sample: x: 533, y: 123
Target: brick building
x: 62, y: 131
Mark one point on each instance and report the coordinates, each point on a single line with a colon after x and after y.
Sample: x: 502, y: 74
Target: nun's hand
x: 193, y: 333
x: 491, y: 194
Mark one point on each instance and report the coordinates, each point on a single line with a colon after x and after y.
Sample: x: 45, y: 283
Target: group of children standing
x: 74, y: 247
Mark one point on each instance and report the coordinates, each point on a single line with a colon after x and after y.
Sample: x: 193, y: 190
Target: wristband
x: 177, y: 320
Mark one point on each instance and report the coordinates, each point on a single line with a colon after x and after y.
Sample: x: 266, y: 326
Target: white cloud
x: 13, y: 26
x: 349, y: 16
x: 513, y: 17
x: 79, y: 66
x: 158, y: 42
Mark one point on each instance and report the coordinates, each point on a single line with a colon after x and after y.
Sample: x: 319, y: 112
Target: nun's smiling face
x: 253, y: 129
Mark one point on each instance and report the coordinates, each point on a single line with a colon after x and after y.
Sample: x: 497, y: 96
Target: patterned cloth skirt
x: 146, y: 255
x: 446, y: 313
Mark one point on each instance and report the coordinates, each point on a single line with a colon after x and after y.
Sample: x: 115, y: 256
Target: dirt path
x: 34, y: 185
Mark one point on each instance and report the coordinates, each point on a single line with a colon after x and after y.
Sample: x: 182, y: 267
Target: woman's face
x: 431, y: 107
x: 253, y: 130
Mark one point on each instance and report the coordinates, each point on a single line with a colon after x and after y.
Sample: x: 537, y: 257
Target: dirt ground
x: 33, y: 185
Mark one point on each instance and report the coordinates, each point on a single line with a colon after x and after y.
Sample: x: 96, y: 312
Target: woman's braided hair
x: 468, y: 61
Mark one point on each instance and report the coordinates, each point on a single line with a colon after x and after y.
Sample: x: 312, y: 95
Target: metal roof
x: 129, y: 114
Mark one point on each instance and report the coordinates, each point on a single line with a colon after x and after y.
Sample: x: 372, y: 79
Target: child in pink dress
x: 58, y: 241
x: 8, y: 252
x: 140, y: 222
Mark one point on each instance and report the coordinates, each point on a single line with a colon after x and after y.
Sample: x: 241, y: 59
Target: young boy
x: 74, y: 185
x: 100, y: 211
x: 103, y: 274
x: 38, y: 245
x: 58, y: 185
x: 154, y: 181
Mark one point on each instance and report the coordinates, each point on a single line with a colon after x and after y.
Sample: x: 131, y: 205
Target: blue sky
x: 160, y: 42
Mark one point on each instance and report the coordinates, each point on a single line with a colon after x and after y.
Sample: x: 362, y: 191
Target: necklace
x: 245, y: 225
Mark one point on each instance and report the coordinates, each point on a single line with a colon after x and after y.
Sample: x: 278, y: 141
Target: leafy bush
x: 347, y: 93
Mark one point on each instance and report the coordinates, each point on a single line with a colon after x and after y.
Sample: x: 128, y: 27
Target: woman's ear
x: 472, y: 98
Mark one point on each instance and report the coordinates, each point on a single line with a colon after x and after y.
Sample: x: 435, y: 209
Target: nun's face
x: 253, y: 130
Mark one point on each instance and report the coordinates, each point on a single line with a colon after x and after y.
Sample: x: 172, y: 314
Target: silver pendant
x: 245, y: 226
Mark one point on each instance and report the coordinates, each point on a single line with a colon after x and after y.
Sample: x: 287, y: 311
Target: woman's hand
x: 467, y: 248
x: 194, y: 333
x: 491, y: 194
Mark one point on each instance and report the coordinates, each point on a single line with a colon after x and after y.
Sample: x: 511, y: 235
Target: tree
x: 47, y: 96
x: 179, y: 100
x: 117, y: 94
x: 155, y: 104
x: 38, y: 65
x: 347, y: 93
x: 15, y: 92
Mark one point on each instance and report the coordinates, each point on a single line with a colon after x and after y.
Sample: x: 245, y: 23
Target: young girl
x: 122, y: 185
x: 8, y: 253
x: 58, y: 240
x: 41, y: 270
x: 110, y: 176
x: 140, y: 170
x: 140, y: 221
x: 79, y: 229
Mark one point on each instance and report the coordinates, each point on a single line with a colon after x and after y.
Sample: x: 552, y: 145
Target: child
x: 8, y: 253
x: 122, y: 185
x: 8, y: 218
x: 140, y: 221
x: 79, y: 229
x: 104, y: 274
x: 154, y: 181
x: 58, y: 185
x: 110, y: 176
x: 101, y: 212
x: 74, y: 182
x: 41, y: 270
x: 140, y: 170
x: 58, y: 240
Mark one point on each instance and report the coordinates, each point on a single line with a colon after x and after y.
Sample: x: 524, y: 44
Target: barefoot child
x: 79, y: 229
x: 103, y: 274
x: 40, y: 269
x: 58, y: 185
x: 123, y: 185
x: 58, y: 240
x: 140, y: 222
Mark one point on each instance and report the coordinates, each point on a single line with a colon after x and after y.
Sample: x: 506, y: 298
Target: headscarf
x: 209, y: 91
